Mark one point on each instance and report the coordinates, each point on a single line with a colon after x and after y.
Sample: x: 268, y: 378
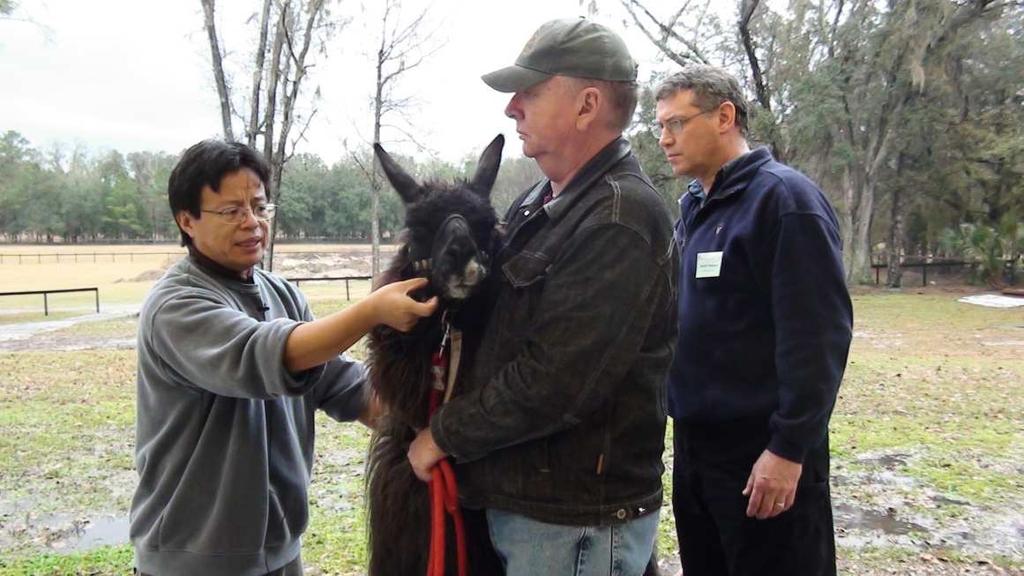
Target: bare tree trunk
x: 894, y: 272
x: 374, y: 179
x: 291, y: 93
x: 846, y: 219
x: 378, y: 112
x: 401, y: 49
x: 218, y: 68
x: 764, y: 99
x: 269, y: 114
x: 269, y: 117
x: 257, y: 77
x: 275, y: 179
x: 747, y: 8
x: 860, y: 271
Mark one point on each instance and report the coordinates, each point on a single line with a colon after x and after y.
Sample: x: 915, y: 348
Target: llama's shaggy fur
x: 400, y: 367
x: 400, y: 364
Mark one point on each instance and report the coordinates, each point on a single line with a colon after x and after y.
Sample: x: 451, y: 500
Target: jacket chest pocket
x: 526, y: 269
x: 524, y: 276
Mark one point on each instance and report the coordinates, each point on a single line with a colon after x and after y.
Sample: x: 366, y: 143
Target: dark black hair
x: 206, y: 164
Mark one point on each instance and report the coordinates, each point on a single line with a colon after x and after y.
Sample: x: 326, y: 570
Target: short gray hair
x: 622, y: 96
x: 711, y: 87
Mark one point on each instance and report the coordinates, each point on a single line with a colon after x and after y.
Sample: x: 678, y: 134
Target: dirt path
x: 33, y: 335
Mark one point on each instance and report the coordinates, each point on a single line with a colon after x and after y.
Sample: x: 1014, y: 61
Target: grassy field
x: 927, y: 442
x: 123, y: 275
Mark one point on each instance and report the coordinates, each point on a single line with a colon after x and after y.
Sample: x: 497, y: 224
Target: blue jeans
x: 531, y: 548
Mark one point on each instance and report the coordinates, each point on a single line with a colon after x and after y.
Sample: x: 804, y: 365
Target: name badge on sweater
x: 709, y: 264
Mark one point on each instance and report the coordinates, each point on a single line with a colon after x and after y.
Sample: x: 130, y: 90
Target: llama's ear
x: 487, y: 167
x: 404, y: 184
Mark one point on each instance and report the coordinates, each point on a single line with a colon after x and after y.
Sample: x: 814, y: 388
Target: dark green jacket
x: 562, y: 417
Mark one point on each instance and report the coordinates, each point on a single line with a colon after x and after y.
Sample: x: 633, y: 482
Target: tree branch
x: 682, y: 59
x: 301, y: 136
x: 218, y: 68
x: 747, y: 8
x: 269, y: 114
x: 257, y: 76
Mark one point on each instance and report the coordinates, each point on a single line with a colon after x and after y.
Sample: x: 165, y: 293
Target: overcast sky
x: 135, y: 74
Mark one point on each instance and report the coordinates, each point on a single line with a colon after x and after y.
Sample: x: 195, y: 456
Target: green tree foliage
x: 907, y: 113
x: 19, y: 172
x: 149, y: 173
x: 643, y: 136
x: 959, y: 162
x: 994, y: 251
x: 515, y: 177
x: 123, y: 213
x: 117, y: 197
x: 321, y: 202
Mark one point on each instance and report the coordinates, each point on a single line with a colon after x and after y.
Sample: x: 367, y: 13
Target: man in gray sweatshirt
x: 232, y: 367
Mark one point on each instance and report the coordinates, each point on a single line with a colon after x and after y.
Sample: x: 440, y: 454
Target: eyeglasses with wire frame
x: 676, y: 124
x: 237, y: 214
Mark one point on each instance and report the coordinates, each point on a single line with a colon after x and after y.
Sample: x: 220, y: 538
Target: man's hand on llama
x: 424, y: 454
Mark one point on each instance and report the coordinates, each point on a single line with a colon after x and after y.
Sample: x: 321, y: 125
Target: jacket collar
x: 211, y: 266
x: 731, y: 178
x: 596, y: 167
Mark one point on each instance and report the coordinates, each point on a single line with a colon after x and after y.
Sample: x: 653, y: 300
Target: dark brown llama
x: 450, y: 231
x: 450, y: 234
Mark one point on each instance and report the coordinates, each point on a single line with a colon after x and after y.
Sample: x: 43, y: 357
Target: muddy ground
x: 895, y: 511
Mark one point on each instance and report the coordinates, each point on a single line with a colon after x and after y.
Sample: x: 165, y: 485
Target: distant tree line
x: 53, y: 195
x: 910, y: 115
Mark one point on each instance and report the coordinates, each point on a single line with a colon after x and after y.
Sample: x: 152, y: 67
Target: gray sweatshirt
x: 224, y: 433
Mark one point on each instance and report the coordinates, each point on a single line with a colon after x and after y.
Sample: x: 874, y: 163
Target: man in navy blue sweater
x: 764, y: 330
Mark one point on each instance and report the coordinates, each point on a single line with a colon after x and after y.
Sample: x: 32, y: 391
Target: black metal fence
x: 346, y: 279
x: 943, y: 266
x: 46, y: 293
x: 57, y: 257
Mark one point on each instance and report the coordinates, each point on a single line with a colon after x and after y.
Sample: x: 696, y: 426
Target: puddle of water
x: 13, y: 507
x: 109, y: 343
x: 14, y: 332
x: 65, y: 532
x: 842, y: 480
x: 886, y: 461
x: 853, y: 518
x: 103, y: 531
x: 947, y: 501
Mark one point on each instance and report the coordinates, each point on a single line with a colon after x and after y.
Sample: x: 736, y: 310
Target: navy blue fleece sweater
x: 766, y: 333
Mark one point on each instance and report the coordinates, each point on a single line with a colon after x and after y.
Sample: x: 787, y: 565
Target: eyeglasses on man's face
x: 676, y: 124
x: 237, y: 214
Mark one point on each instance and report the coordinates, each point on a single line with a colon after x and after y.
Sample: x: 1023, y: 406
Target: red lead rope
x: 444, y: 496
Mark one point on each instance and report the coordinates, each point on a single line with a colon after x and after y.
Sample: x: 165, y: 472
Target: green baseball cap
x: 578, y: 48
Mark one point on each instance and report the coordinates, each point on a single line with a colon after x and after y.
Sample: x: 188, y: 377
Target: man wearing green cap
x: 559, y: 428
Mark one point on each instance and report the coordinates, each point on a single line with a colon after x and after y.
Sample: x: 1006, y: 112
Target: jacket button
x: 621, y: 514
x: 526, y: 212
